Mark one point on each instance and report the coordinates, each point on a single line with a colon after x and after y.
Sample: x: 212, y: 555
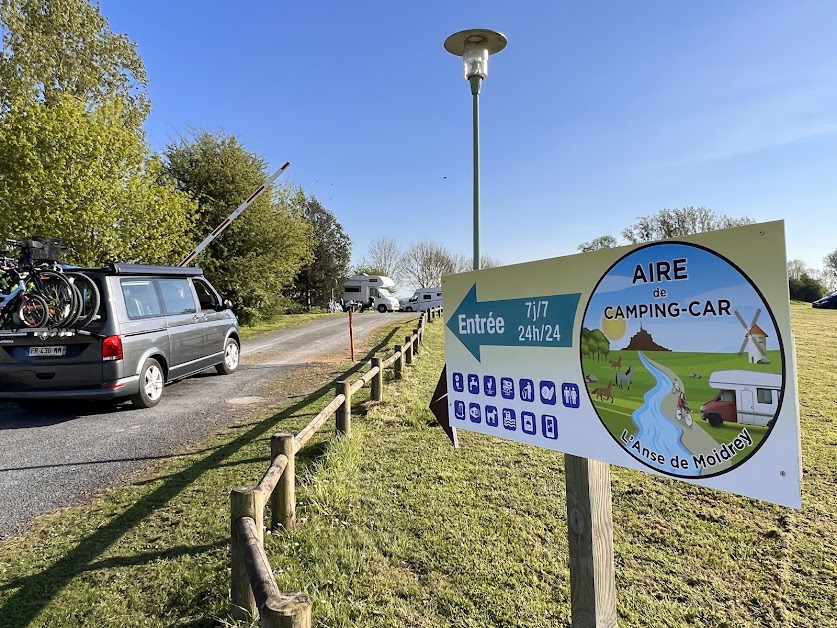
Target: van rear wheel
x: 150, y: 385
x: 231, y: 357
x: 715, y: 420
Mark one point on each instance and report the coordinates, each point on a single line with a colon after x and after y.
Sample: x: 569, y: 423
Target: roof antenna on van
x: 226, y: 222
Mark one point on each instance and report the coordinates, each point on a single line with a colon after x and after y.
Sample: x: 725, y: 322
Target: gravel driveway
x: 48, y: 461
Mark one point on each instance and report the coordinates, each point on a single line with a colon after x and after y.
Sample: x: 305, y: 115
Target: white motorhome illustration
x: 746, y: 397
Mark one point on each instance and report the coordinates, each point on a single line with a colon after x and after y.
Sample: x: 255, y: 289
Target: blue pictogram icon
x: 509, y: 419
x: 458, y: 382
x: 473, y: 384
x: 507, y: 387
x: 570, y: 395
x: 459, y: 410
x: 489, y: 385
x: 492, y: 417
x: 475, y: 413
x: 527, y: 390
x: 549, y: 426
x: 548, y: 393
x: 527, y: 420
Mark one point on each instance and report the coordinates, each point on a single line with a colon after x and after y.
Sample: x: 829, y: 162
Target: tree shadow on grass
x: 22, y: 607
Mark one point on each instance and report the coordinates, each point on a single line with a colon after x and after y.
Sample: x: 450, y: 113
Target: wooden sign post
x: 590, y: 523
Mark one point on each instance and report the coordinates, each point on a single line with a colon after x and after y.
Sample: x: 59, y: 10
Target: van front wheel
x: 715, y: 420
x: 150, y: 385
x: 231, y: 354
x: 382, y: 308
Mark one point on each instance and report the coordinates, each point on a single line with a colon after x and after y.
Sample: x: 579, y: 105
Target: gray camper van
x: 156, y: 324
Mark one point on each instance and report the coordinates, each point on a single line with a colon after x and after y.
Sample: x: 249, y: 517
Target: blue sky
x: 595, y: 114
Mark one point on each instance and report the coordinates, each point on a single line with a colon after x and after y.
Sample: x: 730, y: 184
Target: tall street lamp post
x: 474, y: 46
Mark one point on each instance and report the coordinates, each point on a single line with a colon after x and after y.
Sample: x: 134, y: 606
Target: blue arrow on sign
x: 542, y: 321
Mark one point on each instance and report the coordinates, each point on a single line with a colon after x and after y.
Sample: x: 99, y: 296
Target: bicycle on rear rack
x: 21, y: 308
x: 72, y: 298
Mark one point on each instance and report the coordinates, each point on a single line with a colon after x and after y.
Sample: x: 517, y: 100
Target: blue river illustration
x: 656, y: 431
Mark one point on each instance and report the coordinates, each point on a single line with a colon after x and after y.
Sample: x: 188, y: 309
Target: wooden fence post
x: 343, y: 417
x: 245, y: 501
x: 378, y: 380
x: 416, y: 342
x: 590, y: 522
x: 292, y: 610
x: 399, y: 361
x: 283, y: 500
x: 408, y: 350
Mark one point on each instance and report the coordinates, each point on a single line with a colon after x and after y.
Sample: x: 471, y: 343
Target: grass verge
x: 398, y: 529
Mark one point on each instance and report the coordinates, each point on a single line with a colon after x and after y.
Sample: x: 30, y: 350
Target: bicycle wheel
x: 59, y: 294
x: 89, y: 301
x: 32, y: 310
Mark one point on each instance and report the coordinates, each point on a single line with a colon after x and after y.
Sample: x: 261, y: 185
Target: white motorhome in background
x: 746, y: 397
x: 369, y: 291
x: 423, y: 299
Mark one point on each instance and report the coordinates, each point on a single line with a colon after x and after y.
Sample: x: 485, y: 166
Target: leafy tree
x: 602, y: 242
x: 262, y: 251
x: 671, y: 223
x: 363, y: 269
x: 85, y: 177
x: 332, y: 249
x: 594, y: 344
x: 53, y: 48
x: 805, y: 288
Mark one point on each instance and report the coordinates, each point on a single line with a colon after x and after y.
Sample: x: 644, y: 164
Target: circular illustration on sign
x: 683, y: 359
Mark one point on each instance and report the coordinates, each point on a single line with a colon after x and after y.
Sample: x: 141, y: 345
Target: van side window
x: 764, y: 395
x: 206, y: 298
x: 351, y: 289
x: 140, y: 298
x: 726, y: 395
x: 177, y: 296
x: 427, y: 297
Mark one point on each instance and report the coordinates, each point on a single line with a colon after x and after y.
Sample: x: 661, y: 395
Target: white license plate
x: 47, y: 351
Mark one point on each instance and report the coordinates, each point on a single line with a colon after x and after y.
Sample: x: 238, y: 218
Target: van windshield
x: 384, y: 292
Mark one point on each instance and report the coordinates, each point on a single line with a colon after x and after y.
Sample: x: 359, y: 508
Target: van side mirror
x: 226, y: 304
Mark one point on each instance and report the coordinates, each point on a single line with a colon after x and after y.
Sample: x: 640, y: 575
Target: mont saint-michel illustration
x: 683, y: 360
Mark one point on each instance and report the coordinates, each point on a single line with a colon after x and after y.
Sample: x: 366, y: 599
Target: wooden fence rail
x: 253, y: 589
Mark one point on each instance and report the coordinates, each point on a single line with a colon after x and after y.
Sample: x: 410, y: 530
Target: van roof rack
x: 149, y: 269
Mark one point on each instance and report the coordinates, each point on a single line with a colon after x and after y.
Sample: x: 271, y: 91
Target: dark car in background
x: 155, y: 324
x: 827, y: 302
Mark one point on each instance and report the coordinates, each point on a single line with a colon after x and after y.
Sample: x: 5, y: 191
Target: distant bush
x: 805, y: 288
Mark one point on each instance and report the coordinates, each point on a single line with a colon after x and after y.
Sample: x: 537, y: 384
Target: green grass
x: 698, y: 391
x: 398, y: 529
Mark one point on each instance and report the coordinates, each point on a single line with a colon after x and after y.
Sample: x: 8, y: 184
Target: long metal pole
x: 226, y: 222
x: 475, y: 90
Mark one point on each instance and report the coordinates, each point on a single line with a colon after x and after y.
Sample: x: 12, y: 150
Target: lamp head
x: 475, y: 46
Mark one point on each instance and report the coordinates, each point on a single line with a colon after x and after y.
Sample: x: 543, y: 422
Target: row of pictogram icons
x: 529, y: 424
x: 509, y: 389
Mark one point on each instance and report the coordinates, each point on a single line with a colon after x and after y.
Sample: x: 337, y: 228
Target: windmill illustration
x: 755, y: 340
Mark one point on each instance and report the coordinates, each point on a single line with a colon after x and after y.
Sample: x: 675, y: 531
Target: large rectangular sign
x: 674, y: 357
